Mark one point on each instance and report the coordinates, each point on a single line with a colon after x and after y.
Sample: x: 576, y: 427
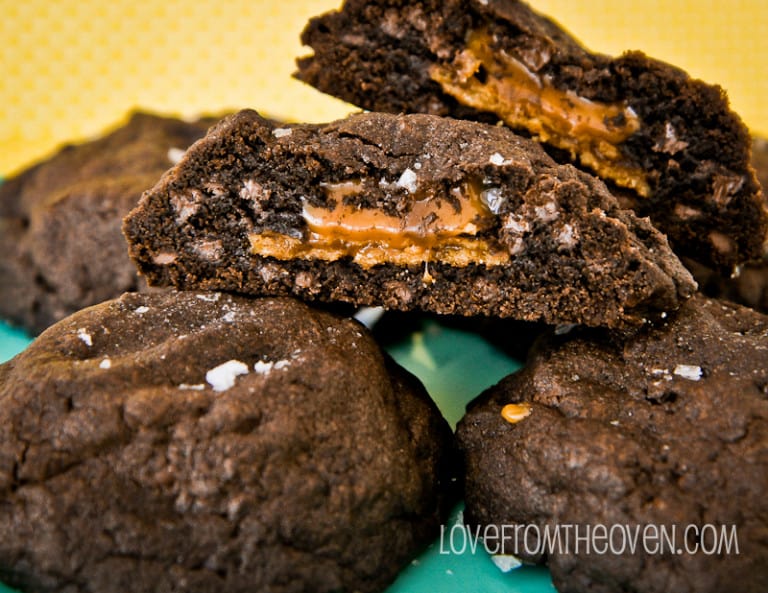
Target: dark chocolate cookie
x: 640, y: 123
x: 60, y: 220
x: 749, y: 284
x: 203, y: 442
x: 665, y: 429
x: 407, y: 212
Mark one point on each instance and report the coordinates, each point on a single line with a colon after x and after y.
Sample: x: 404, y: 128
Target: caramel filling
x: 432, y: 229
x: 498, y: 83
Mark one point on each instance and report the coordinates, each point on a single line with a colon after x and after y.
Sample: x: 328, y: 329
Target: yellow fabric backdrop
x: 73, y: 68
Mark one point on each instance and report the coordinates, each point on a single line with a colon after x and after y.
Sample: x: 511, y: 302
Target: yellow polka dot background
x: 74, y: 69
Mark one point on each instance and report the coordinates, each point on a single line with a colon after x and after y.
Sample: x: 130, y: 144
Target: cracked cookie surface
x: 60, y: 219
x: 203, y: 442
x: 667, y: 427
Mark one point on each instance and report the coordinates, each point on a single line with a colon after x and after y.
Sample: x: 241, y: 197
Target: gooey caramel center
x: 496, y: 82
x: 431, y: 228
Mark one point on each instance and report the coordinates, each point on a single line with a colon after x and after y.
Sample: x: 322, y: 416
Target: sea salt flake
x: 105, y: 364
x: 565, y: 328
x: 83, y: 334
x: 506, y: 562
x: 212, y: 298
x: 498, y: 160
x: 368, y: 316
x: 262, y: 367
x: 567, y: 236
x: 223, y: 377
x: 193, y: 387
x: 408, y: 181
x: 492, y: 198
x: 141, y: 310
x: 547, y: 213
x: 688, y: 371
x: 282, y: 132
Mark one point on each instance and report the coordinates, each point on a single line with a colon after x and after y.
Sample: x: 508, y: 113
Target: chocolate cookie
x: 60, y: 220
x: 407, y: 212
x: 640, y: 123
x: 203, y: 442
x: 667, y: 428
x: 749, y: 284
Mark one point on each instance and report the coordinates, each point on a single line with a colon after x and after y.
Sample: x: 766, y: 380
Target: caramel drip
x: 433, y: 229
x: 590, y: 129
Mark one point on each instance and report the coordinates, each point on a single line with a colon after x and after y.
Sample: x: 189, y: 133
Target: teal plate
x: 454, y: 366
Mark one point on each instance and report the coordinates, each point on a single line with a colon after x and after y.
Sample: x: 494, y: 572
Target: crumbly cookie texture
x: 202, y: 442
x: 412, y: 212
x: 60, y: 219
x: 672, y: 142
x: 665, y: 427
x: 749, y: 284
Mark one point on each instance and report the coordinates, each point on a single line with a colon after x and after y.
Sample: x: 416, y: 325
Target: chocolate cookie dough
x: 407, y: 212
x: 666, y: 428
x: 640, y: 123
x: 201, y: 442
x: 60, y: 220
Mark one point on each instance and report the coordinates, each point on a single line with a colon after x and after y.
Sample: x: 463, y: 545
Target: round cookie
x: 668, y: 427
x: 204, y: 442
x: 60, y: 219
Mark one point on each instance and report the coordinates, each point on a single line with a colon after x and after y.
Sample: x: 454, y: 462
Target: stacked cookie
x: 661, y: 426
x: 234, y: 440
x: 192, y: 441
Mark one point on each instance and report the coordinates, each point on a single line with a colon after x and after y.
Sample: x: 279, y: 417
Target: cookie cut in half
x: 670, y: 140
x: 406, y: 212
